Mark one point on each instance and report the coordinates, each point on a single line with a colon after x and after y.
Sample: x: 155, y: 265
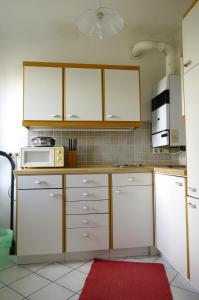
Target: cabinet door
x: 122, y: 95
x: 171, y: 220
x: 132, y: 217
x: 83, y: 94
x: 42, y: 93
x: 191, y: 90
x: 39, y: 222
x: 193, y: 221
x: 190, y: 38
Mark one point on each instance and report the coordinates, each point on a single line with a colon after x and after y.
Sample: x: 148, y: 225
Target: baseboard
x: 84, y: 255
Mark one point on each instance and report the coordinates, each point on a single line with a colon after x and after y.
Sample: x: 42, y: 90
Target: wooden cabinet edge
x: 190, y: 8
x: 75, y: 65
x: 82, y: 124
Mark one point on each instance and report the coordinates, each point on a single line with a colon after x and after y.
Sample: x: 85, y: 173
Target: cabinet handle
x: 192, y: 189
x: 85, y: 221
x: 85, y: 194
x: 131, y: 179
x: 189, y: 62
x: 109, y: 116
x: 192, y: 205
x: 84, y: 180
x: 71, y: 116
x: 179, y: 183
x: 117, y: 192
x: 55, y: 116
x: 52, y: 195
x: 85, y: 234
x: 85, y: 207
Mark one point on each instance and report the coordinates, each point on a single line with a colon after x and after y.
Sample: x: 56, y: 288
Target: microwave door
x: 161, y: 139
x: 39, y: 158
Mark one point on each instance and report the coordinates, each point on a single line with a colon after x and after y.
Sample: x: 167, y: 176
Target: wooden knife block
x: 72, y: 158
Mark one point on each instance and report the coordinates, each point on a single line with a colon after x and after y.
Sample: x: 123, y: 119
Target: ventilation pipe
x: 168, y: 50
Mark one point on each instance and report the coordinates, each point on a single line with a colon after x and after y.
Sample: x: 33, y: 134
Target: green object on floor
x: 5, y: 244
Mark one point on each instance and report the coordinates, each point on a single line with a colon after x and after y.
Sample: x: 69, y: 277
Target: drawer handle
x: 55, y: 116
x: 189, y: 62
x: 52, y: 195
x: 117, y: 192
x: 131, y: 179
x: 85, y: 194
x: 84, y: 180
x: 85, y: 234
x: 40, y: 182
x: 192, y: 189
x: 85, y: 207
x: 179, y: 183
x: 192, y: 205
x: 85, y: 221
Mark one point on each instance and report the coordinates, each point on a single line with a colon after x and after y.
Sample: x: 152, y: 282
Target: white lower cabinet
x: 87, y: 212
x: 132, y: 211
x: 39, y: 222
x: 193, y: 221
x: 170, y: 211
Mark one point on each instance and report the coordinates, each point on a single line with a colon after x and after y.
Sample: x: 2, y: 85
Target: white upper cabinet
x: 122, y: 95
x: 42, y: 93
x: 191, y: 91
x: 190, y: 37
x: 83, y: 94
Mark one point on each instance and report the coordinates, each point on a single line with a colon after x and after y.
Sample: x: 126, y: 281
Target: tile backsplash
x: 109, y: 146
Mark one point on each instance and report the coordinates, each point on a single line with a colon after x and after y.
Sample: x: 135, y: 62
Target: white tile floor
x: 62, y: 281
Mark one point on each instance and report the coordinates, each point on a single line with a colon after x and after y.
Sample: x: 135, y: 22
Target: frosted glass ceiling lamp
x: 101, y: 22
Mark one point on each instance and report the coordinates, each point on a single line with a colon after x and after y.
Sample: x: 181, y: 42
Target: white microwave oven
x: 42, y: 157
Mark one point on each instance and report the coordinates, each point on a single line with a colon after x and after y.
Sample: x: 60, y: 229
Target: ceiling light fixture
x: 101, y: 22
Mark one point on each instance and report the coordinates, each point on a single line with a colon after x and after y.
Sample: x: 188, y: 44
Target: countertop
x: 174, y: 170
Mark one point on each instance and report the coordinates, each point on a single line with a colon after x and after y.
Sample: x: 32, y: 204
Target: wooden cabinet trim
x: 82, y: 124
x: 74, y: 65
x: 190, y: 8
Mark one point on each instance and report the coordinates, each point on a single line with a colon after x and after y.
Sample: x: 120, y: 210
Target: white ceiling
x: 49, y: 17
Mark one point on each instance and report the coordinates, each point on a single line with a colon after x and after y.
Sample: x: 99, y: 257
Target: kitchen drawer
x: 87, y: 180
x: 87, y: 239
x: 91, y: 220
x: 39, y: 182
x: 132, y: 179
x: 97, y: 193
x: 87, y: 207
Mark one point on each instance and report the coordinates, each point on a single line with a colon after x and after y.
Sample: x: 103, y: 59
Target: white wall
x: 64, y: 47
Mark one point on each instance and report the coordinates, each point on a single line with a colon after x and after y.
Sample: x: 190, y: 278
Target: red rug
x: 120, y: 280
